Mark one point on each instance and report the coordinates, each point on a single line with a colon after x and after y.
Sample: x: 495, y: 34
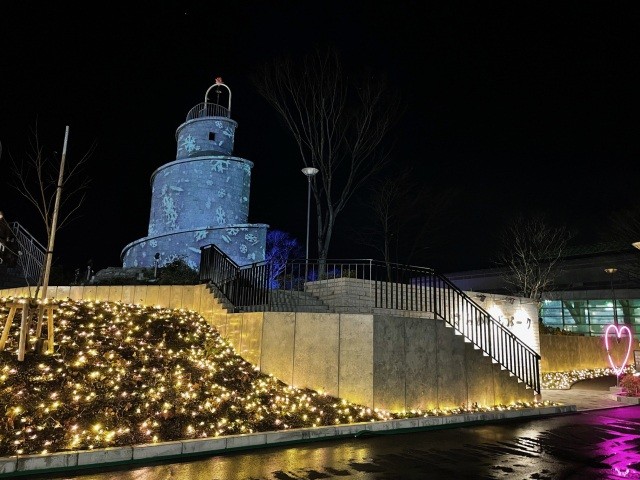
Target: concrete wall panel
x: 101, y: 293
x: 389, y: 362
x: 420, y: 363
x: 139, y: 295
x: 506, y: 386
x: 61, y: 292
x: 115, y: 293
x: 479, y: 369
x: 234, y: 330
x: 452, y: 376
x: 152, y: 295
x: 164, y: 295
x: 187, y: 296
x: 316, y: 351
x: 128, y: 294
x: 89, y: 292
x: 278, y: 341
x: 219, y: 322
x: 175, y: 297
x: 251, y: 337
x: 196, y: 299
x: 75, y: 293
x: 356, y: 358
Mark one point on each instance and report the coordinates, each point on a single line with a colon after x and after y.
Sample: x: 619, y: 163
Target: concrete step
x: 288, y: 301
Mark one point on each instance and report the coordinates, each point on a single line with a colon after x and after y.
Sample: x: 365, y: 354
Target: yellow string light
x: 125, y: 374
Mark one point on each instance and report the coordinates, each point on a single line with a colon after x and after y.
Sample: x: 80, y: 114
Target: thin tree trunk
x: 52, y: 233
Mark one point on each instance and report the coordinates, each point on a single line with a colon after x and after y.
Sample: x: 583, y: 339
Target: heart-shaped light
x: 617, y: 370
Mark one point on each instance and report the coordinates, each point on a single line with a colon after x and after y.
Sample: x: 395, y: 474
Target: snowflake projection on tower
x: 202, y: 197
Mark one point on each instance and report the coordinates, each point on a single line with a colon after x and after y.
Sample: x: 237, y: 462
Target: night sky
x: 523, y: 106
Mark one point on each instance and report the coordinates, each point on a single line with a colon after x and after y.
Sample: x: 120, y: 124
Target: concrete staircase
x: 220, y: 299
x: 279, y: 301
x: 293, y: 301
x: 484, y: 357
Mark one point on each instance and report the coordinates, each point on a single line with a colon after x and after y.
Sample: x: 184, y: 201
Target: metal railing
x: 243, y: 287
x: 31, y: 253
x: 208, y: 110
x: 365, y: 285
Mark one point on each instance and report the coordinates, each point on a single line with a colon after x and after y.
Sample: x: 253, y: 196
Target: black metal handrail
x: 365, y: 284
x: 32, y: 253
x: 242, y: 286
x: 420, y: 289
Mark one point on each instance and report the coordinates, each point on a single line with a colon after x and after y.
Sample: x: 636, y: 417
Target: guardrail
x: 245, y: 286
x: 31, y: 253
x: 208, y: 110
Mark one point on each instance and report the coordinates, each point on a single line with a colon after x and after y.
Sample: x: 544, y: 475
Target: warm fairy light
x: 564, y: 380
x: 128, y: 374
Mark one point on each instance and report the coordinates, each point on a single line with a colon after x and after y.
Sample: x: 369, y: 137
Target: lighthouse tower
x: 202, y: 197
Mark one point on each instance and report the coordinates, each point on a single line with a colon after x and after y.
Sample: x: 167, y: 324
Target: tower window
x: 212, y: 136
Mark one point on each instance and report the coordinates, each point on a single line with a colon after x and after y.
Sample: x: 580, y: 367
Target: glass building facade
x: 591, y: 316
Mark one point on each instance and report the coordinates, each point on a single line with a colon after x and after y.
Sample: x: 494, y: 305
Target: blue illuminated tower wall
x: 202, y: 197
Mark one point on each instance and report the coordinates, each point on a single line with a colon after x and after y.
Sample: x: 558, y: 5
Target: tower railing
x: 208, y: 110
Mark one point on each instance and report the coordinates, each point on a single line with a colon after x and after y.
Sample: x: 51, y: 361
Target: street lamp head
x: 636, y: 244
x: 611, y: 270
x: 310, y: 171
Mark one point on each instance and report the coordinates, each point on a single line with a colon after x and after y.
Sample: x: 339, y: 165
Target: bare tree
x: 37, y: 176
x: 622, y: 231
x: 280, y: 248
x: 405, y: 217
x: 338, y: 124
x: 624, y: 225
x: 530, y: 252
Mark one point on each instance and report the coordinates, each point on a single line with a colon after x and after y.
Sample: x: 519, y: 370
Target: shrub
x: 549, y: 330
x: 631, y: 384
x: 178, y: 272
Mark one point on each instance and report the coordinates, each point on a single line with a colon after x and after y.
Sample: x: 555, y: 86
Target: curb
x: 23, y: 465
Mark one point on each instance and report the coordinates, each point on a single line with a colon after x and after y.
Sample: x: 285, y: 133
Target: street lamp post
x: 611, y: 271
x: 309, y: 172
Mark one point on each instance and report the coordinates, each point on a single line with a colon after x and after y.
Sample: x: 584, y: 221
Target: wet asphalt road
x: 602, y: 444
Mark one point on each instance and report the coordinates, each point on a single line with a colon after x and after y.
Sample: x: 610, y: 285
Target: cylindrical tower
x: 203, y: 196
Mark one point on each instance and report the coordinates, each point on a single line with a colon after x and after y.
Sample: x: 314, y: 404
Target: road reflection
x: 601, y: 444
x: 620, y: 451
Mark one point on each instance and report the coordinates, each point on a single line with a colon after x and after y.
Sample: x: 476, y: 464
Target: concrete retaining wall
x: 353, y: 295
x: 561, y: 353
x: 188, y: 297
x: 382, y: 361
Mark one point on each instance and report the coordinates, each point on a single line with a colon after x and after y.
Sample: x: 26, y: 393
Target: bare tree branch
x: 531, y: 251
x: 35, y: 177
x: 338, y: 125
x: 405, y: 217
